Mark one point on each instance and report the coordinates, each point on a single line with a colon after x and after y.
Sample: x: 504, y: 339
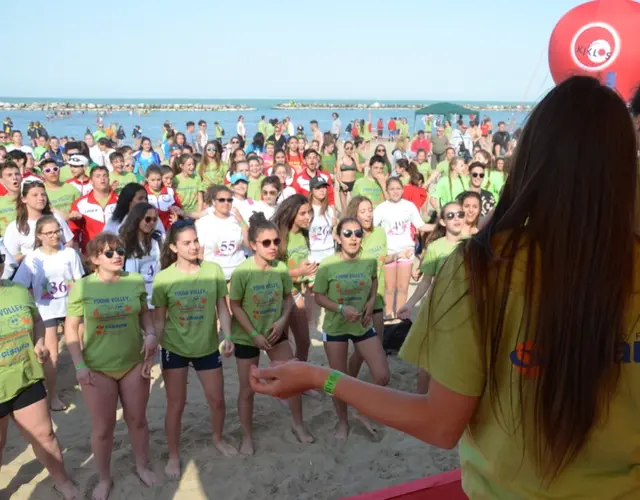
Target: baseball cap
x: 78, y: 161
x: 317, y: 182
x: 235, y: 178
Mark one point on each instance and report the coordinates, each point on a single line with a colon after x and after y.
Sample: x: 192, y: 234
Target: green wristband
x: 254, y: 334
x: 340, y: 308
x: 80, y: 366
x: 332, y: 381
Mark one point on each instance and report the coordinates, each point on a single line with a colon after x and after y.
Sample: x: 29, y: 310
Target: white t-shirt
x: 21, y: 244
x: 241, y: 129
x: 396, y: 219
x: 148, y: 267
x: 267, y: 210
x: 246, y: 207
x: 28, y: 150
x: 321, y: 242
x: 286, y: 193
x: 222, y: 241
x: 96, y: 155
x: 10, y: 264
x: 50, y: 277
x: 112, y: 226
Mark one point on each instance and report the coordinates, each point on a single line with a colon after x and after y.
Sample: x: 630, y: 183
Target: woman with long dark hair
x: 530, y: 328
x: 131, y: 195
x: 211, y: 169
x: 145, y: 156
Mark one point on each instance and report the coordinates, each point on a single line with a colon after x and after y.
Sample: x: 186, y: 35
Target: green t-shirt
x: 111, y: 312
x: 65, y: 173
x: 366, y: 186
x: 328, y: 163
x: 297, y: 251
x: 261, y: 293
x: 437, y: 252
x: 448, y: 189
x: 270, y: 131
x: 191, y: 328
x: 347, y: 282
x: 187, y: 189
x: 262, y: 128
x: 7, y: 212
x: 425, y: 169
x: 38, y: 152
x: 374, y: 246
x: 213, y: 175
x: 255, y: 188
x: 123, y: 179
x: 19, y: 366
x: 99, y: 134
x: 443, y: 167
x: 495, y: 182
x: 62, y: 197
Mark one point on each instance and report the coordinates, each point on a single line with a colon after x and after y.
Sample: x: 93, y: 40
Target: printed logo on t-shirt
x: 191, y: 305
x: 266, y: 298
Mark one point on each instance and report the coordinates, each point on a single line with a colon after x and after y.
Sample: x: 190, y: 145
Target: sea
x: 77, y: 124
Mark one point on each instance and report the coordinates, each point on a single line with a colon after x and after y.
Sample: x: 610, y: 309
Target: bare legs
x: 299, y: 324
x: 396, y: 288
x: 50, y: 368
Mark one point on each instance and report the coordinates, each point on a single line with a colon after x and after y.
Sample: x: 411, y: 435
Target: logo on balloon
x: 595, y: 46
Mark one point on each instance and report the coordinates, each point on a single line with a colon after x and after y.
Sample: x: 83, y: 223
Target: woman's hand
x: 351, y: 314
x: 146, y: 368
x: 227, y: 348
x: 149, y: 346
x: 287, y: 379
x: 367, y: 313
x: 308, y: 268
x: 41, y: 351
x: 84, y: 376
x: 276, y: 331
x: 261, y: 342
x: 405, y: 312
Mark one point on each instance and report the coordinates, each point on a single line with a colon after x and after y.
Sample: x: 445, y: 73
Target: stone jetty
x: 292, y: 105
x: 137, y: 108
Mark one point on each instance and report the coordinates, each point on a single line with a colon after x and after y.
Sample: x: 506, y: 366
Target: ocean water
x: 76, y: 125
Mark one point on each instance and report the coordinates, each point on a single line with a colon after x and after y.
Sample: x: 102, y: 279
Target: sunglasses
x: 348, y: 233
x: 211, y: 149
x: 49, y: 170
x: 235, y: 142
x: 268, y: 243
x: 149, y: 220
x: 477, y: 174
x: 271, y: 193
x: 381, y: 150
x: 182, y: 223
x: 111, y: 252
x: 452, y: 215
x: 224, y: 200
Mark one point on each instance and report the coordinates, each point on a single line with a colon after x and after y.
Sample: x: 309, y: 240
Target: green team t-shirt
x: 111, y: 312
x: 19, y: 367
x: 347, y: 282
x: 7, y: 212
x: 366, y: 186
x: 425, y: 169
x: 261, y: 293
x: 65, y: 173
x: 437, y: 252
x: 213, y: 175
x: 297, y: 251
x: 495, y: 182
x: 443, y: 167
x: 448, y: 189
x: 123, y: 179
x: 255, y: 188
x: 38, y: 152
x: 187, y: 189
x: 191, y: 328
x: 328, y: 163
x: 374, y: 246
x: 62, y: 197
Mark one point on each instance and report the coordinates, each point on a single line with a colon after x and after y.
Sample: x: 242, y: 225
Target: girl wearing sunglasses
x: 23, y: 397
x: 113, y: 358
x: 478, y: 174
x: 222, y: 232
x: 189, y: 297
x: 142, y: 244
x: 346, y: 287
x: 211, y: 169
x: 261, y: 303
x: 470, y: 203
x: 60, y: 195
x: 271, y: 188
x: 49, y: 272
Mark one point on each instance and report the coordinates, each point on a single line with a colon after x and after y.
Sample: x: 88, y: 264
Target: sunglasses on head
x: 268, y: 243
x: 452, y: 215
x: 48, y: 170
x: 224, y: 200
x: 109, y: 253
x: 477, y: 174
x: 179, y: 224
x: 348, y: 233
x: 148, y: 219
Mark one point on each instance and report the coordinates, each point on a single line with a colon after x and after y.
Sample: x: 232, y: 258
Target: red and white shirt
x: 163, y: 201
x: 93, y: 219
x: 303, y: 179
x: 84, y: 187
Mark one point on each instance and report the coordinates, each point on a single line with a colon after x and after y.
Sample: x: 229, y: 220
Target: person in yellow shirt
x: 530, y: 331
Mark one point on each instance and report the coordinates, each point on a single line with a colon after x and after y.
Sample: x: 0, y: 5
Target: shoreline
x: 294, y: 106
x: 142, y: 107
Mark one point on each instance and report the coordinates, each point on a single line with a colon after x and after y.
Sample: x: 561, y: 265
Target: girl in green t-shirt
x: 293, y: 218
x: 453, y: 184
x: 346, y: 287
x: 261, y: 303
x: 189, y: 297
x: 113, y: 359
x: 189, y: 187
x: 23, y: 397
x: 211, y: 169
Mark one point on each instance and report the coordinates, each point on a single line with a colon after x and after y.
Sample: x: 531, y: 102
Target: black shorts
x: 27, y: 397
x: 349, y: 186
x: 346, y: 337
x: 171, y: 360
x: 249, y: 352
x: 378, y: 311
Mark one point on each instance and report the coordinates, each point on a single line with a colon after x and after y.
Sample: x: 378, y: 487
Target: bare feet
x: 146, y: 475
x: 56, y: 405
x: 102, y: 490
x: 302, y: 434
x: 68, y: 490
x: 313, y: 394
x: 172, y: 469
x: 225, y: 448
x: 341, y: 432
x: 247, y: 447
x: 368, y: 424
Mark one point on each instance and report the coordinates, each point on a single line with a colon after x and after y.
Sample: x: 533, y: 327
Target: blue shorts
x: 171, y: 360
x: 249, y: 352
x: 346, y: 337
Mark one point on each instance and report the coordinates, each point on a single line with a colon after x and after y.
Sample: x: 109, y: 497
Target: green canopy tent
x: 442, y: 108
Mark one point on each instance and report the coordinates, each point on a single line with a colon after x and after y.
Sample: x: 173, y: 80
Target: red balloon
x: 599, y: 39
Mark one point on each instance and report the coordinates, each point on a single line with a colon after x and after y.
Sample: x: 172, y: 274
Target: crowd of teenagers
x: 132, y: 252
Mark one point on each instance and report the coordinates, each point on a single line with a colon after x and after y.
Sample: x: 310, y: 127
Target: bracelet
x: 254, y: 333
x: 243, y: 223
x: 331, y: 382
x: 80, y: 366
x: 340, y: 308
x: 152, y: 334
x: 227, y: 336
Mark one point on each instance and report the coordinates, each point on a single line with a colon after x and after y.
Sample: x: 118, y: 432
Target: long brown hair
x: 22, y: 213
x: 575, y: 227
x: 168, y: 256
x: 205, y: 161
x: 43, y: 221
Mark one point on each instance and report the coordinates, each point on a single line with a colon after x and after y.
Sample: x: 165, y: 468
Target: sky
x: 472, y: 50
